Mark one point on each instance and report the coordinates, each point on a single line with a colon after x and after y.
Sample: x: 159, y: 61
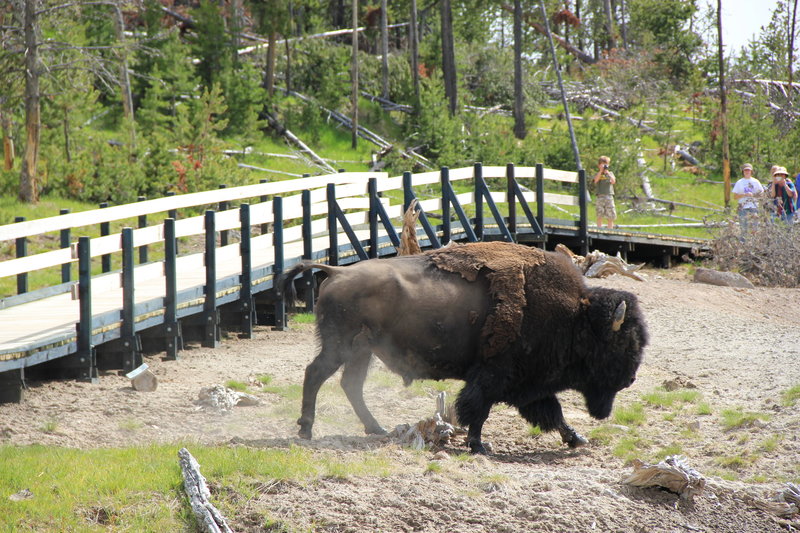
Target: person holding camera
x: 784, y: 194
x: 604, y: 182
x: 746, y: 191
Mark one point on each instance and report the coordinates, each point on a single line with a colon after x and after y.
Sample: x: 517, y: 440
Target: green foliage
x: 439, y: 133
x: 663, y: 398
x: 737, y: 418
x: 630, y: 415
x: 304, y: 318
x: 322, y: 70
x: 789, y: 397
x: 236, y: 385
x: 210, y: 43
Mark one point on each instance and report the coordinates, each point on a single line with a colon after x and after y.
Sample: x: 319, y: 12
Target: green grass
x: 629, y: 448
x: 605, y: 434
x: 771, y: 444
x: 667, y: 399
x: 703, y: 409
x: 672, y: 449
x: 737, y: 418
x: 303, y: 318
x: 236, y: 385
x: 630, y: 415
x: 534, y: 431
x: 140, y: 489
x: 789, y: 397
x: 432, y: 387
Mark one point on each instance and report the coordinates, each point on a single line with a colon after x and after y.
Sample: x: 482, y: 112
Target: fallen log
x: 722, y: 279
x: 208, y: 517
x: 672, y: 474
x: 295, y: 140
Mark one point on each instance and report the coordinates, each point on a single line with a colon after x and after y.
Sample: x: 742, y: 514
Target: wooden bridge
x: 215, y: 268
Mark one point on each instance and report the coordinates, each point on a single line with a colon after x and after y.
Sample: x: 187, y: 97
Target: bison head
x: 617, y: 335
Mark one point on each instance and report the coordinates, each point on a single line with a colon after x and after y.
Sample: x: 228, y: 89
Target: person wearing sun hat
x: 783, y: 192
x: 746, y: 191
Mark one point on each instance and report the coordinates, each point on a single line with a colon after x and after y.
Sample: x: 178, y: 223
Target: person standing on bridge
x: 604, y: 182
x: 746, y: 191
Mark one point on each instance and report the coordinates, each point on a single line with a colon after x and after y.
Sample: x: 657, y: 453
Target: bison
x: 516, y: 324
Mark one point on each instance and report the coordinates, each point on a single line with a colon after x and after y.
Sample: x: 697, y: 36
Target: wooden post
x: 583, y: 227
x: 172, y: 331
x: 105, y: 229
x: 21, y: 251
x: 65, y: 237
x: 372, y: 187
x: 333, y: 227
x: 142, y: 224
x: 511, y: 200
x: 478, y: 179
x: 223, y: 206
x: 131, y: 345
x: 211, y: 334
x: 308, y: 250
x: 444, y: 176
x: 277, y: 268
x: 246, y: 307
x: 85, y: 356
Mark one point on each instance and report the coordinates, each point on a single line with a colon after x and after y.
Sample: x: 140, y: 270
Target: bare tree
x: 384, y: 50
x: 449, y: 56
x: 354, y: 76
x: 723, y: 111
x: 519, y: 98
x: 28, y: 183
x: 612, y: 41
x: 791, y: 47
x: 414, y: 52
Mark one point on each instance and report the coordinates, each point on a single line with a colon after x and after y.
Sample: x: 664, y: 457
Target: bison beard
x: 518, y: 325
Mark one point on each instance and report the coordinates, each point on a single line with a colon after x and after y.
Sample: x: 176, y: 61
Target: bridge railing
x: 228, y: 259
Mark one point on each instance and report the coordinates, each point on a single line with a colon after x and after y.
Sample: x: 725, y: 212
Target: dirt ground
x: 739, y: 348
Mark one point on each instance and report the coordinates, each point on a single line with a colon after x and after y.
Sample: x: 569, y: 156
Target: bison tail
x: 285, y: 283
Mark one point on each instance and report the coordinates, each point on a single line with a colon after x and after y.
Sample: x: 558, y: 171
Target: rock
x: 142, y: 379
x: 723, y: 279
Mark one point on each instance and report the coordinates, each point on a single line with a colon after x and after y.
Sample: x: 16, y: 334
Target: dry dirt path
x: 738, y: 348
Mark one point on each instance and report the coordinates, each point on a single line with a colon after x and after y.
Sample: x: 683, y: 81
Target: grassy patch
x: 629, y: 448
x: 236, y: 385
x: 303, y: 318
x: 737, y: 418
x: 630, y: 415
x: 50, y: 426
x: 605, y: 434
x: 703, y: 409
x: 668, y: 399
x: 131, y: 424
x: 736, y: 462
x: 432, y: 387
x: 672, y: 449
x: 264, y: 379
x: 771, y: 444
x: 534, y: 431
x: 789, y: 398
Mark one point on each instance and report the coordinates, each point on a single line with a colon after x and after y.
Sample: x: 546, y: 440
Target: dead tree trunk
x: 449, y: 57
x: 791, y: 47
x: 384, y: 50
x: 723, y: 112
x: 269, y: 73
x: 414, y: 52
x: 8, y: 140
x: 519, y: 102
x: 28, y: 186
x: 580, y: 54
x: 612, y: 41
x: 354, y: 75
x: 209, y: 519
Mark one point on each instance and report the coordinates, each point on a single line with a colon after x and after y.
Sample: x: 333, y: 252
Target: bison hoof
x: 577, y: 440
x: 305, y: 431
x: 478, y: 448
x: 377, y: 430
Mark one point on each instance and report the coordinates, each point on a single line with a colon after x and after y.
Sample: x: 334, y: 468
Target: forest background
x: 110, y: 101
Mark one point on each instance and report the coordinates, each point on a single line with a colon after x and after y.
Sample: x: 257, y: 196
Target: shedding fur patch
x: 505, y: 265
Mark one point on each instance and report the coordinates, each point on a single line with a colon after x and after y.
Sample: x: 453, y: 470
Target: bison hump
x: 504, y: 265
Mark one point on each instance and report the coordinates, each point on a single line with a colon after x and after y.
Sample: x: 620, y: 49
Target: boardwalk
x: 108, y: 320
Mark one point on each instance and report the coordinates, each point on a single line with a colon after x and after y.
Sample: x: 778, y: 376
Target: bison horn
x: 619, y: 316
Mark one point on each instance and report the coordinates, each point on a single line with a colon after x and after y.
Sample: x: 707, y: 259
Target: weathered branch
x: 208, y: 517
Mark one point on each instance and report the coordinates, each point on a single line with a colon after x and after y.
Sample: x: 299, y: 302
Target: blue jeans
x: 744, y: 214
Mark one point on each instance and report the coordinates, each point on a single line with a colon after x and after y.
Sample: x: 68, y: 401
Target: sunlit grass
x: 789, y: 397
x: 630, y: 415
x: 737, y: 418
x: 663, y: 398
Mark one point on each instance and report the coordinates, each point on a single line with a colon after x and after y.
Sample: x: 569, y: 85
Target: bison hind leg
x: 317, y: 372
x: 472, y: 407
x: 546, y: 413
x: 353, y: 377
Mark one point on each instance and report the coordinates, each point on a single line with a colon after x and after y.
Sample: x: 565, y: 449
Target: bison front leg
x: 317, y: 372
x: 353, y: 376
x: 472, y: 407
x: 546, y: 413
